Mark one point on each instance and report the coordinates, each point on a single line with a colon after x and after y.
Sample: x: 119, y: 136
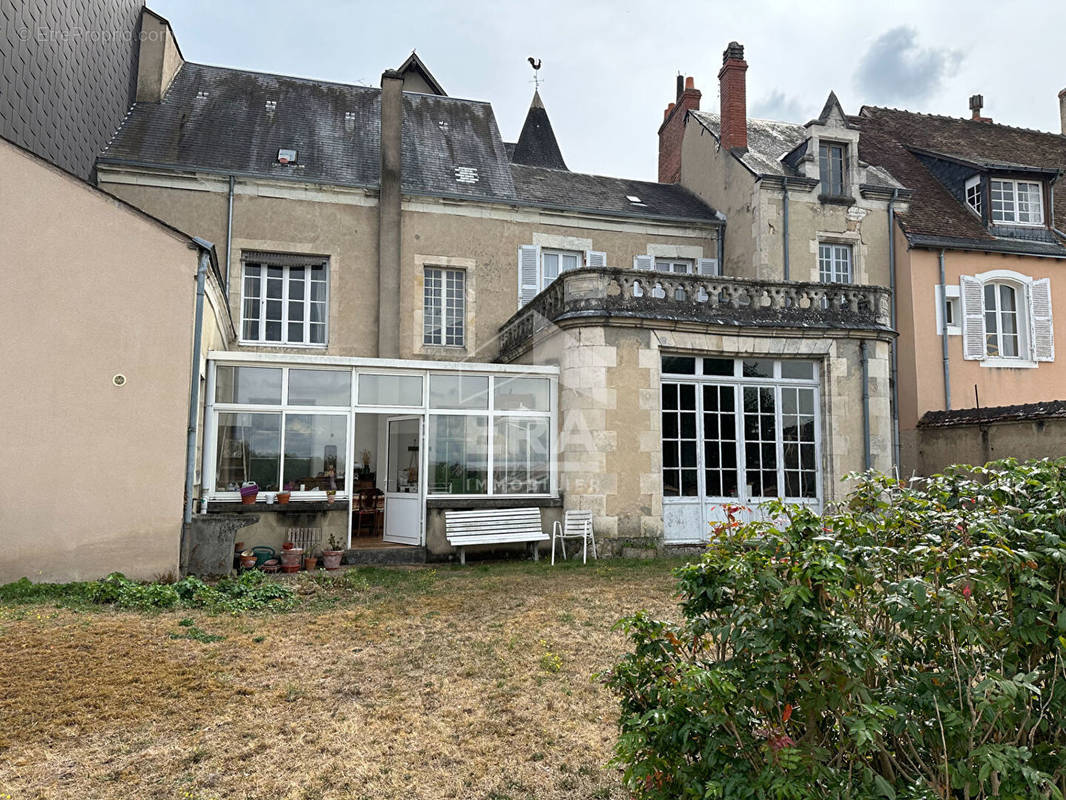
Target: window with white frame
x: 974, y: 195
x: 1017, y: 202
x: 1006, y: 318
x: 834, y: 263
x: 677, y: 266
x: 554, y: 263
x: 444, y: 307
x: 538, y: 267
x: 284, y: 299
x: 833, y: 167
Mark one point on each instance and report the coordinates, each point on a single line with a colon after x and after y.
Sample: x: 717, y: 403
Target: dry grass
x: 455, y: 683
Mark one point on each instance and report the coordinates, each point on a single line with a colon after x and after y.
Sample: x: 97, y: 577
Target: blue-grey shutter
x: 972, y: 300
x: 1042, y: 330
x: 644, y: 263
x: 528, y: 268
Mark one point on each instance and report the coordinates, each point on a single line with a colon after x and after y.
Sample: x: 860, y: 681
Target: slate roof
x: 979, y: 416
x: 216, y: 119
x: 554, y: 188
x: 536, y: 145
x: 768, y: 142
x: 889, y: 138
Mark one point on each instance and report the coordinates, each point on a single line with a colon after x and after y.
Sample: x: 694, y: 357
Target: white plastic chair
x: 575, y: 525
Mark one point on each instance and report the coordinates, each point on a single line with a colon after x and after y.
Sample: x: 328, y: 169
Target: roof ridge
x: 592, y: 175
x: 961, y: 119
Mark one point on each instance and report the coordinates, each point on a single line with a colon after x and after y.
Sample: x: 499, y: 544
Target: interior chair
x: 575, y: 525
x: 367, y: 505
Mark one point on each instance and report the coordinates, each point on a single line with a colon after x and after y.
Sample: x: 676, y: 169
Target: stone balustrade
x: 631, y: 295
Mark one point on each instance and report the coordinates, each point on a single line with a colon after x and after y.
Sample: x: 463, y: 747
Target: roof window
x: 286, y: 156
x: 636, y: 201
x: 271, y: 105
x: 466, y: 175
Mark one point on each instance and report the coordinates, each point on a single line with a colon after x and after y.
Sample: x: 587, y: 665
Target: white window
x: 1006, y: 319
x: 444, y: 307
x: 554, y: 263
x: 1017, y: 202
x: 284, y: 299
x: 678, y: 266
x: 833, y: 167
x: 974, y: 195
x: 834, y: 263
x: 538, y: 267
x: 948, y: 313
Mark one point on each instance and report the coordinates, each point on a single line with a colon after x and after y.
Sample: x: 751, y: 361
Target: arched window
x: 1003, y: 320
x: 1006, y: 319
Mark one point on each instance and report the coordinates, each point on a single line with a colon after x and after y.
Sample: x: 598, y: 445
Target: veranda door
x: 403, y: 485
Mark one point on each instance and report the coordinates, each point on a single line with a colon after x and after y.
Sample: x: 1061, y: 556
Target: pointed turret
x: 536, y: 146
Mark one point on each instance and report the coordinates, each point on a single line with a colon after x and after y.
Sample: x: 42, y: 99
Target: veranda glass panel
x: 797, y: 434
x: 680, y: 467
x: 720, y: 441
x: 521, y: 455
x: 314, y: 452
x: 760, y: 441
x: 458, y: 454
x: 249, y: 449
x: 521, y: 394
x: 254, y: 385
x: 390, y: 390
x: 459, y: 391
x: 320, y: 387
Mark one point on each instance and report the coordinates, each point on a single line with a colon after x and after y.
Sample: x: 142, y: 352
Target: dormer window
x: 973, y: 194
x: 833, y: 168
x: 1017, y: 202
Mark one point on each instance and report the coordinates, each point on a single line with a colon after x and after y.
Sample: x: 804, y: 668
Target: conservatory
x: 322, y: 431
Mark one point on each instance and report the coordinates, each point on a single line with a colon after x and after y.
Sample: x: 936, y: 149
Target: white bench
x: 493, y: 526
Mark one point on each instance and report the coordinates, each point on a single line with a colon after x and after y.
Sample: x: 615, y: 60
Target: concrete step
x: 385, y: 555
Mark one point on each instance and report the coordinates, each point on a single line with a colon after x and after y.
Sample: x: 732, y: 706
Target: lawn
x: 467, y: 683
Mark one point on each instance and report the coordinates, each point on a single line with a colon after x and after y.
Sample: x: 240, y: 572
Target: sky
x: 609, y: 68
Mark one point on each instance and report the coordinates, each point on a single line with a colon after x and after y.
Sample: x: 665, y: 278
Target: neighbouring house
x: 808, y: 229
x: 98, y: 367
x: 981, y: 268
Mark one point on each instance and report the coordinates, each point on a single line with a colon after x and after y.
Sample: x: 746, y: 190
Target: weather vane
x: 535, y: 63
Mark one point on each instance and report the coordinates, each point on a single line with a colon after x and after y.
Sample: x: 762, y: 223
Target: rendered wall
x: 979, y: 444
x: 93, y: 474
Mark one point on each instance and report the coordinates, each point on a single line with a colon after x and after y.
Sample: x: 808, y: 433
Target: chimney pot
x: 733, y: 93
x: 1062, y: 110
x: 680, y: 85
x: 690, y: 83
x: 976, y: 102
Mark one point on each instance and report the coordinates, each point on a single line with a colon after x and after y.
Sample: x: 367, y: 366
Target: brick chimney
x: 673, y: 129
x: 734, y: 98
x: 976, y: 102
x: 1062, y: 110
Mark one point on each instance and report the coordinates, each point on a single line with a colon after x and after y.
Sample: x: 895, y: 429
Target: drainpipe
x: 944, y: 334
x: 194, y: 385
x: 229, y: 233
x: 894, y: 349
x: 865, y: 358
x: 721, y: 250
x: 784, y: 211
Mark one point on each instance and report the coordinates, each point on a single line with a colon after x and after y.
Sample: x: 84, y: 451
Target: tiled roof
x: 889, y: 138
x: 979, y: 416
x: 234, y: 122
x: 536, y: 145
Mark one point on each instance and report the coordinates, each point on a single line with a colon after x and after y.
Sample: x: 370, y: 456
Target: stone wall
x: 978, y: 444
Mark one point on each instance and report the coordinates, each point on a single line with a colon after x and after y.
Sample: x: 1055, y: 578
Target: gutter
x: 194, y: 384
x: 894, y: 353
x: 944, y: 334
x: 867, y: 458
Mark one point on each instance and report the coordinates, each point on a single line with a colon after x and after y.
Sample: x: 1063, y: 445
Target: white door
x: 403, y: 494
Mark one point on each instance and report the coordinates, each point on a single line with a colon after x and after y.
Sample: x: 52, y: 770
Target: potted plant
x: 331, y: 558
x: 249, y: 491
x: 331, y: 494
x: 310, y: 561
x: 248, y: 559
x: 291, y: 556
x: 283, y: 497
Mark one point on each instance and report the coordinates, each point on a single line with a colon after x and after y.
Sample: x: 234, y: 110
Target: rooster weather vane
x: 535, y: 63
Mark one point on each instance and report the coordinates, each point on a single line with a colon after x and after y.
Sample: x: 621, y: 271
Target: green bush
x: 909, y: 646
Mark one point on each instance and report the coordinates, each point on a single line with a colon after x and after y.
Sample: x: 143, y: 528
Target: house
x: 980, y: 253
x: 112, y: 313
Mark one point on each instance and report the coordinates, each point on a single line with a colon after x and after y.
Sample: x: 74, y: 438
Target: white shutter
x: 972, y: 298
x: 644, y: 262
x: 1042, y: 331
x: 708, y: 266
x: 528, y: 263
x: 595, y: 258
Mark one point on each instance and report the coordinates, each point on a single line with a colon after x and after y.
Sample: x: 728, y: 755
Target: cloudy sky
x: 609, y: 66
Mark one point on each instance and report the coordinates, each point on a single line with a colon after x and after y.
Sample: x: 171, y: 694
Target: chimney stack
x: 1062, y: 110
x: 976, y: 102
x: 389, y: 219
x: 672, y: 130
x: 734, y: 98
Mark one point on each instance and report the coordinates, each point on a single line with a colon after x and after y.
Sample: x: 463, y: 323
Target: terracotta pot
x: 291, y: 557
x: 331, y: 559
x: 311, y: 563
x: 248, y: 499
x: 288, y: 545
x: 290, y: 569
x: 248, y: 562
x: 330, y: 498
x: 283, y: 497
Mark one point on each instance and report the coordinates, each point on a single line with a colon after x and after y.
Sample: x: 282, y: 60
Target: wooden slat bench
x: 493, y: 526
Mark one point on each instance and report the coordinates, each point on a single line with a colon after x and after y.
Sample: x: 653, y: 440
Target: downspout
x: 867, y: 458
x: 229, y: 233
x: 721, y: 250
x: 944, y: 333
x: 784, y: 229
x: 194, y: 388
x: 894, y: 350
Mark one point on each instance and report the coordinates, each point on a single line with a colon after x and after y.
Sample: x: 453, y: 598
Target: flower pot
x: 248, y: 562
x: 290, y: 568
x: 270, y: 565
x: 331, y: 559
x: 291, y: 558
x: 330, y: 498
x: 311, y: 563
x: 288, y: 545
x: 248, y: 499
x: 283, y: 497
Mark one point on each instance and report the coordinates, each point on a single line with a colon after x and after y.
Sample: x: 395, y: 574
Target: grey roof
x: 217, y: 119
x: 1048, y: 409
x: 768, y: 142
x: 560, y: 188
x: 536, y: 145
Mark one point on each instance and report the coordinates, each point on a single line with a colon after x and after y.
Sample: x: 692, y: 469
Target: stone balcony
x: 628, y: 297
